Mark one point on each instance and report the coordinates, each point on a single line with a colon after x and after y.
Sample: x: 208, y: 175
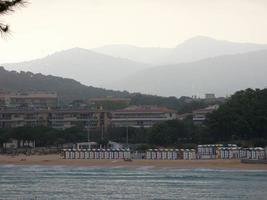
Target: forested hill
x: 67, y: 89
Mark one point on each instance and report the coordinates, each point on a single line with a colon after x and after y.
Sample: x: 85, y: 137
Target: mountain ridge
x: 221, y: 75
x: 193, y: 49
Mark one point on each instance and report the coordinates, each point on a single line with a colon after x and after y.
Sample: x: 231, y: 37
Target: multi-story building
x: 59, y: 119
x: 32, y: 99
x: 199, y: 116
x: 93, y: 119
x: 13, y: 118
x: 141, y: 116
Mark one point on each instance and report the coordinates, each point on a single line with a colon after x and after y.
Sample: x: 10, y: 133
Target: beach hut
x: 192, y: 154
x: 116, y: 154
x: 175, y: 154
x: 127, y: 154
x: 165, y: 154
x: 102, y: 154
x: 186, y: 154
x: 121, y: 153
x: 92, y: 154
x: 67, y: 153
x: 181, y: 154
x: 159, y: 154
x: 260, y: 153
x: 154, y: 154
x: 111, y: 154
x: 72, y: 154
x: 97, y: 154
x: 149, y: 154
x: 170, y: 154
x: 86, y: 154
x: 82, y: 154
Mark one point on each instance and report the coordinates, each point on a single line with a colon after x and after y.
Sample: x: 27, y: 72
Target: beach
x: 55, y: 159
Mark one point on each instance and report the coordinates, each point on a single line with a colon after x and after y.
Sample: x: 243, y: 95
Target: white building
x: 141, y: 116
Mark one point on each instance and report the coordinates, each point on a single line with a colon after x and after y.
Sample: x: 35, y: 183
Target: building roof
x: 145, y: 109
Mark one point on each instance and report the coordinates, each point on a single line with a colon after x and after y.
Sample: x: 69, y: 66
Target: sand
x: 180, y: 164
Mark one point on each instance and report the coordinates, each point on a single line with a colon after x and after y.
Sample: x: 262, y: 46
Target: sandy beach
x: 183, y: 164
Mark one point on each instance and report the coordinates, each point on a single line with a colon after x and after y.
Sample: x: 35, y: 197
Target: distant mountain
x: 83, y: 65
x: 67, y: 89
x: 194, y: 49
x: 220, y: 75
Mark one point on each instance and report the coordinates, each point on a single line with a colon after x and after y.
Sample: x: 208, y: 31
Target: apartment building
x: 32, y: 99
x: 199, y: 116
x: 13, y: 118
x: 141, y: 116
x: 58, y: 119
x: 93, y: 119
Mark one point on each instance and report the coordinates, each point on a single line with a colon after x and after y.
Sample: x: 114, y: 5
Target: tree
x: 5, y: 8
x: 242, y: 117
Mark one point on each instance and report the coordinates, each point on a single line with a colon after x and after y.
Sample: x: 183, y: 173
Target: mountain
x: 196, y: 48
x: 67, y: 89
x: 88, y: 67
x: 220, y: 75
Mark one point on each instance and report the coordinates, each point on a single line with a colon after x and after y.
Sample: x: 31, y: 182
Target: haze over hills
x: 203, y: 66
x: 194, y: 49
x: 220, y: 75
x: 86, y: 66
x: 67, y: 89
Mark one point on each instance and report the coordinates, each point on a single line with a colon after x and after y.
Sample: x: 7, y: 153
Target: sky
x: 46, y: 26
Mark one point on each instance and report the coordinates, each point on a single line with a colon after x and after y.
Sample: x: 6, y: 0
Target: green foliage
x: 135, y: 135
x: 109, y: 105
x: 242, y: 117
x: 181, y: 105
x: 44, y: 136
x: 170, y: 133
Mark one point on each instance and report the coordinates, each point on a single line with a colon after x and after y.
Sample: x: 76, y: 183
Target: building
x: 93, y: 119
x: 14, y: 144
x: 141, y: 116
x: 199, y: 116
x: 14, y: 118
x: 58, y: 119
x: 109, y: 99
x: 210, y: 96
x: 32, y: 99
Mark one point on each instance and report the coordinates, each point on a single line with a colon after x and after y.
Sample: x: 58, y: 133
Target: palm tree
x: 7, y: 6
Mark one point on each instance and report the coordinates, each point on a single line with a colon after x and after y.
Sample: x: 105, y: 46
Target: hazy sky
x: 46, y: 26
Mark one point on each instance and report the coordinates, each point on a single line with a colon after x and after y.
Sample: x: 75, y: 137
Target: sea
x: 68, y: 183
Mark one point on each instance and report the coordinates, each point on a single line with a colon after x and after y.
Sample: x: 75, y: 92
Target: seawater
x: 68, y: 183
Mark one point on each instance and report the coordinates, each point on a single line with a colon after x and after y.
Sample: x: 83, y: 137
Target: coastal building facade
x: 58, y: 119
x: 141, y: 116
x: 31, y: 99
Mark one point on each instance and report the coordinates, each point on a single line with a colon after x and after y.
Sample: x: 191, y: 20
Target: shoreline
x: 56, y: 160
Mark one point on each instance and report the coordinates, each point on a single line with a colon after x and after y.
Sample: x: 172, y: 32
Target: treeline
x: 43, y: 137
x: 181, y: 105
